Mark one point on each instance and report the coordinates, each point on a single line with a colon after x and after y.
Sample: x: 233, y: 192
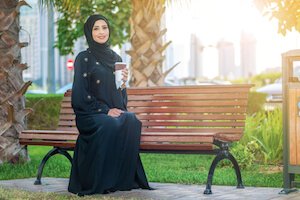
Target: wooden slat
x: 48, y: 136
x: 195, y: 130
x: 67, y: 99
x: 177, y: 137
x: 186, y: 110
x: 193, y: 87
x: 170, y: 138
x: 175, y: 110
x: 66, y: 123
x: 66, y: 111
x: 189, y: 91
x: 228, y: 137
x: 194, y: 124
x: 177, y: 134
x: 178, y: 147
x: 65, y: 104
x: 241, y: 96
x: 213, y: 103
x: 73, y: 128
x: 48, y: 143
x: 67, y: 117
x: 58, y: 132
x: 175, y: 116
x: 207, y: 89
x: 177, y: 123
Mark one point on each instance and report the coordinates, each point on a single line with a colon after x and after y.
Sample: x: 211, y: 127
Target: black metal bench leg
x: 42, y: 164
x: 52, y: 152
x: 212, y: 168
x: 237, y: 170
x: 65, y: 153
x: 223, y: 153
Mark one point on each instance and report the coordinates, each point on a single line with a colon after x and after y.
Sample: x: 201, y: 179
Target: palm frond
x: 69, y: 5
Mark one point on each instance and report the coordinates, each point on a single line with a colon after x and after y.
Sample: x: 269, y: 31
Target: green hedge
x: 256, y: 102
x: 45, y: 111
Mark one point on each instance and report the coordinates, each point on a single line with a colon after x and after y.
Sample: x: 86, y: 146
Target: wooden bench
x: 185, y: 119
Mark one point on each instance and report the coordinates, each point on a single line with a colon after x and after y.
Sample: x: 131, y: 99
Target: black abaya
x: 106, y: 156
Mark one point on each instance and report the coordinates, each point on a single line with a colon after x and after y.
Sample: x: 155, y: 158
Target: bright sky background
x: 212, y: 20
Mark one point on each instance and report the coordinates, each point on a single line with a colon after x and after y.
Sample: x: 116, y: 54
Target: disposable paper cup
x: 119, y: 66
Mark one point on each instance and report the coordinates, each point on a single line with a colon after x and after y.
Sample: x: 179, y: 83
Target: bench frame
x: 221, y: 152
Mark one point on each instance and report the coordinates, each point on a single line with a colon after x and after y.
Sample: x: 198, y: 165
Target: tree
x: 286, y: 12
x: 12, y: 86
x: 73, y: 14
x: 145, y: 34
x: 146, y: 42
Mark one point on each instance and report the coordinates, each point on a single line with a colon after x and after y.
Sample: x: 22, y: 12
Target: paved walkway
x: 164, y: 191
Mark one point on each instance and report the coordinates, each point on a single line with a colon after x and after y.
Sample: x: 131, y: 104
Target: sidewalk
x: 164, y: 191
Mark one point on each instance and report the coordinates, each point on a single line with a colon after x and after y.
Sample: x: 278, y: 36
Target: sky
x: 212, y: 20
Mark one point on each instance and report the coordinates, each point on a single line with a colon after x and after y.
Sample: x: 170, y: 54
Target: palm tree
x: 147, y: 45
x: 12, y: 86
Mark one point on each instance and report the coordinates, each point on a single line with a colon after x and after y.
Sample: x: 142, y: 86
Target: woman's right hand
x: 115, y: 112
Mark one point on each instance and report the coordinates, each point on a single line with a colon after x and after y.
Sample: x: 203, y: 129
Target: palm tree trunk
x: 146, y: 43
x: 12, y: 86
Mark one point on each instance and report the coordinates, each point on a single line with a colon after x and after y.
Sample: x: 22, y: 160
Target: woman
x: 106, y: 155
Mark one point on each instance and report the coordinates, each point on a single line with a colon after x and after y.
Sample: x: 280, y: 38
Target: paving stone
x: 164, y: 191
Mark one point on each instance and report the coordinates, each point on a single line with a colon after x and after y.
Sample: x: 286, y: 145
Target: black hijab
x: 102, y: 52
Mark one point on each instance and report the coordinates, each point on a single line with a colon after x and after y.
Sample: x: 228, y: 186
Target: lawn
x: 166, y: 168
x: 24, y: 195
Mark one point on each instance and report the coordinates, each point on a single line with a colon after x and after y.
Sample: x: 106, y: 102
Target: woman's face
x: 100, y: 31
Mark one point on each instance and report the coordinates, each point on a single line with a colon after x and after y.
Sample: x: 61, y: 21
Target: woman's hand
x: 115, y: 112
x: 125, y: 74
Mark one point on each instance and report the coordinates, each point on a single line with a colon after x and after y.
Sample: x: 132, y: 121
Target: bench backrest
x: 66, y: 115
x: 195, y: 109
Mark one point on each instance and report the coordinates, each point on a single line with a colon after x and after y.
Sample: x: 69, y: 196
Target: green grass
x: 24, y: 195
x: 166, y: 168
x: 265, y: 128
x: 193, y: 169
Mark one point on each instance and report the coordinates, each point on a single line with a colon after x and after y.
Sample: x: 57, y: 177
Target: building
x: 34, y: 22
x: 226, y: 62
x: 196, y: 57
x: 248, y: 54
x: 30, y: 22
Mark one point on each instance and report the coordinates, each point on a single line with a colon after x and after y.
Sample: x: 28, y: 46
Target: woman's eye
x: 95, y: 29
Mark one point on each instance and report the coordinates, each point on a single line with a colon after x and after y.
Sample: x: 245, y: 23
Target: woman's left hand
x: 125, y: 75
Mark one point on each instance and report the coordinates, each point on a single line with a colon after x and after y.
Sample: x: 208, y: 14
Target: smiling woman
x: 106, y: 155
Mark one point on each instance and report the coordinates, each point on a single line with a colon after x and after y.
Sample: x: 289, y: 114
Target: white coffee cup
x: 119, y: 66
